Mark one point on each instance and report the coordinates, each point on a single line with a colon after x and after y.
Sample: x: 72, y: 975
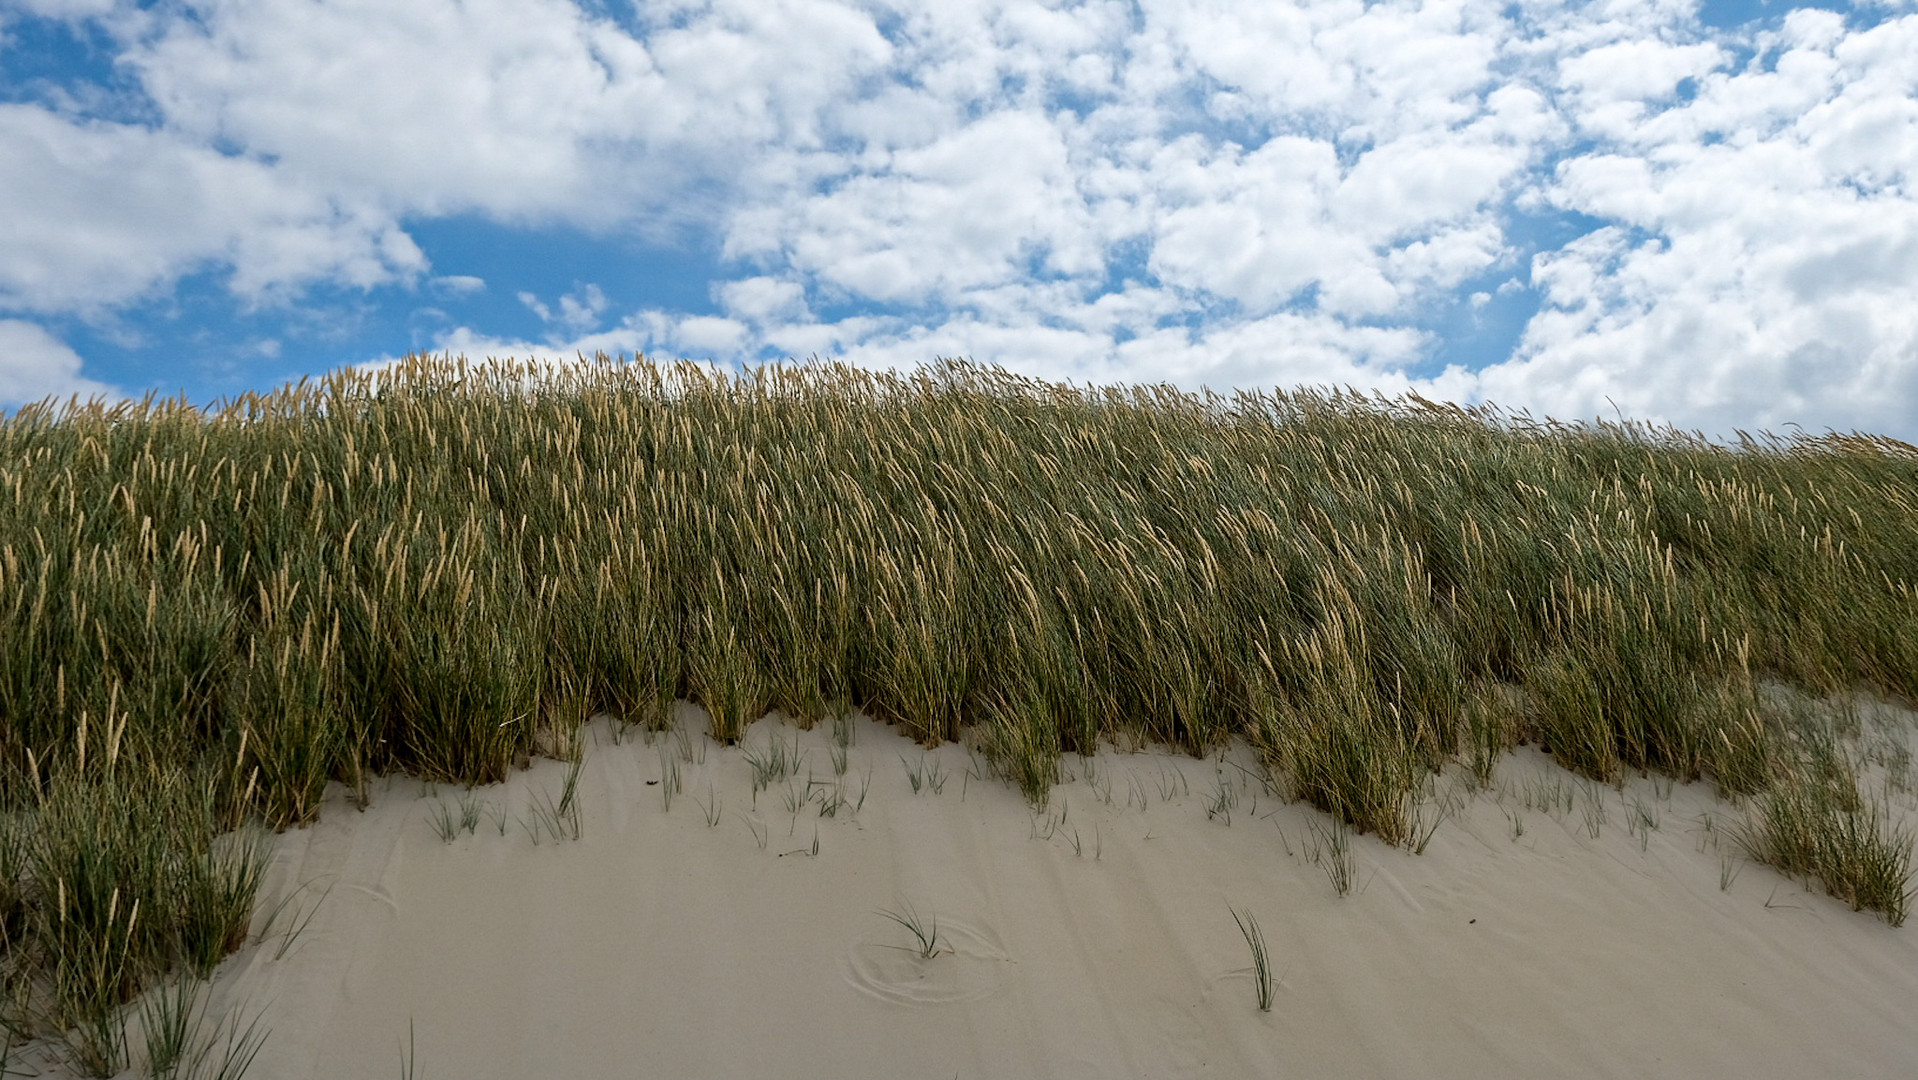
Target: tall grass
x: 443, y: 568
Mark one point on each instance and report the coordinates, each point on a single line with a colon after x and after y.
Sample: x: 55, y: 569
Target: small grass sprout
x: 1172, y: 782
x: 773, y: 763
x: 1592, y: 807
x: 559, y: 818
x: 409, y: 1055
x: 670, y: 781
x: 301, y: 919
x: 1331, y: 848
x: 829, y: 795
x: 1262, y: 980
x: 924, y: 931
x: 1425, y: 823
x: 443, y: 821
x: 928, y: 774
x: 1224, y: 799
x: 1642, y: 822
x: 449, y: 826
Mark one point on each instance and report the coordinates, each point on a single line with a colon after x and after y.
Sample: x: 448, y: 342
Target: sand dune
x: 1095, y: 939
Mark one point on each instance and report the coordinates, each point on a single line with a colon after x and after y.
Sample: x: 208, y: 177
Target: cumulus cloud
x: 762, y: 298
x: 433, y: 107
x: 295, y: 139
x: 524, y: 110
x: 1762, y: 268
x: 94, y: 214
x: 1614, y: 85
x: 1207, y: 191
x: 987, y: 203
x: 576, y: 312
x: 35, y: 365
x: 1327, y: 192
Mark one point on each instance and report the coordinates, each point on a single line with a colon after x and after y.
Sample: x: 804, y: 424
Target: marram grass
x: 209, y: 615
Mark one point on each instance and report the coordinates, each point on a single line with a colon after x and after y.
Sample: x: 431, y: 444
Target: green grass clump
x: 181, y: 1045
x: 443, y: 568
x: 1262, y: 980
x: 924, y: 931
x: 1814, y: 823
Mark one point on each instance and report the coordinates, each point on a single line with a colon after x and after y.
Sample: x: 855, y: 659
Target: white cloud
x: 433, y: 107
x: 704, y: 334
x: 1769, y: 269
x: 1765, y: 239
x: 1118, y: 336
x: 477, y: 345
x: 1636, y: 71
x: 977, y: 207
x: 470, y: 343
x: 1186, y: 189
x: 94, y: 214
x: 1404, y: 186
x: 35, y: 365
x: 524, y: 110
x: 296, y: 137
x: 1372, y: 72
x: 1254, y: 227
x: 763, y: 298
x: 577, y: 312
x: 459, y: 284
x: 972, y: 204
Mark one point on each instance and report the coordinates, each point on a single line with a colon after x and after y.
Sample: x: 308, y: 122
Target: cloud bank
x: 1564, y: 207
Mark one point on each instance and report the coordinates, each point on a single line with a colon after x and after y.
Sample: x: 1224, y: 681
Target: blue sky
x: 1696, y: 214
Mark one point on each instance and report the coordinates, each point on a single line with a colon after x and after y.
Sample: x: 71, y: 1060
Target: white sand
x: 656, y: 946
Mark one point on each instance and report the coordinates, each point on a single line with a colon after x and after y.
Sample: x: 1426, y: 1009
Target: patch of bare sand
x: 1553, y: 927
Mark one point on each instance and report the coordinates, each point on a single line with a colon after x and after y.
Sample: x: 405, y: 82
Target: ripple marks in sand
x: 971, y: 964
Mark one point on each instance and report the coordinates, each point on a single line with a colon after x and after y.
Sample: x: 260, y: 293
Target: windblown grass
x: 1814, y: 822
x: 206, y: 616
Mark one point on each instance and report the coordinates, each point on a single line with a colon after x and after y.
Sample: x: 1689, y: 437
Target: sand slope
x: 1092, y: 940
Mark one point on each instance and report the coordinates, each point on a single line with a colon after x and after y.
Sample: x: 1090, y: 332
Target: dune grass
x: 180, y: 1042
x: 1262, y: 980
x: 207, y: 616
x: 924, y: 931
